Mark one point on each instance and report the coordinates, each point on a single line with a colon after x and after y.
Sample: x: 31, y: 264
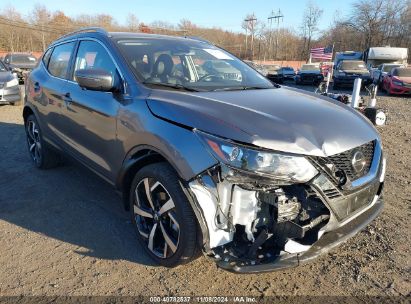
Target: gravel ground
x: 64, y: 232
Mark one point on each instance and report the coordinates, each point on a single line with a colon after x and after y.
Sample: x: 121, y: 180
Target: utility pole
x: 277, y: 18
x: 252, y: 19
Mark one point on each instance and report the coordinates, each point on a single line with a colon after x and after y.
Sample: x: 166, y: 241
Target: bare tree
x: 309, y: 25
x: 41, y: 17
x: 132, y: 23
x: 373, y: 23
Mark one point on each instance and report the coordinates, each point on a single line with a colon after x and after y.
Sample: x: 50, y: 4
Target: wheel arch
x: 136, y: 159
x: 27, y: 111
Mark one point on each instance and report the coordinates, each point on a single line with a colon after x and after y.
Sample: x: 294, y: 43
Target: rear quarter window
x: 46, y: 57
x: 59, y: 62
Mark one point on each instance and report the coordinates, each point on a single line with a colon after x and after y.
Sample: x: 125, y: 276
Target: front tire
x: 40, y: 152
x: 165, y: 223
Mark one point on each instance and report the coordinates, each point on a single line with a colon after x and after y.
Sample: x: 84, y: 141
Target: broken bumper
x: 328, y: 241
x: 253, y: 223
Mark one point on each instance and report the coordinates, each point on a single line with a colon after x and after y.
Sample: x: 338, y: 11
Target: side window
x: 60, y: 60
x: 46, y: 57
x: 92, y: 55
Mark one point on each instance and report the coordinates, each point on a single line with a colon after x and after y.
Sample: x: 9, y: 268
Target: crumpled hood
x: 6, y: 76
x: 281, y: 119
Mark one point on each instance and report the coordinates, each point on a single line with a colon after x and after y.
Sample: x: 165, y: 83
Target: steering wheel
x: 210, y: 76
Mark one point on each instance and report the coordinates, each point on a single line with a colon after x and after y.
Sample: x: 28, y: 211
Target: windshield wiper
x: 170, y: 85
x: 241, y: 88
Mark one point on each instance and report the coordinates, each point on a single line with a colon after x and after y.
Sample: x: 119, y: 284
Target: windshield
x: 388, y: 68
x: 310, y: 67
x: 188, y: 64
x: 405, y: 72
x: 20, y: 58
x: 353, y: 65
x: 2, y: 67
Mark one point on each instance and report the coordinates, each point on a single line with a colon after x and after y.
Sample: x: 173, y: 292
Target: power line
x: 38, y: 27
x: 276, y: 18
x: 31, y: 28
x: 251, y: 19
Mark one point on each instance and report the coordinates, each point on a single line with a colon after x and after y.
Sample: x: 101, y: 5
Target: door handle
x: 67, y: 99
x: 36, y: 87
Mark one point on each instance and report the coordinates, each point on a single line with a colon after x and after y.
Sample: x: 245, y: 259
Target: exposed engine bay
x: 253, y: 220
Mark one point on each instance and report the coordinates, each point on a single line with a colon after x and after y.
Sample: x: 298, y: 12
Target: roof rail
x: 85, y: 30
x: 198, y: 39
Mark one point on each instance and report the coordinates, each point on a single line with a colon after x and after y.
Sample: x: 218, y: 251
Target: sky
x: 227, y: 14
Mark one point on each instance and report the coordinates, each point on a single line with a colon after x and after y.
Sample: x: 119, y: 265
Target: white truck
x: 376, y: 56
x: 380, y: 60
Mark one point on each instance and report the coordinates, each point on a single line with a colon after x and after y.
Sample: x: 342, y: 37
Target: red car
x: 398, y: 81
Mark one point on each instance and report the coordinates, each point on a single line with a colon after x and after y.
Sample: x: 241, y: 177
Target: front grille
x: 332, y: 193
x: 342, y: 161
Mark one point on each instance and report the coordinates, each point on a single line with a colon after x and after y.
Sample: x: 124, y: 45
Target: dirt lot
x: 64, y: 232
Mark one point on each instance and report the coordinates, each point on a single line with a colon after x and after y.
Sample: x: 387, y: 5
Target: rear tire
x: 162, y: 215
x: 42, y: 155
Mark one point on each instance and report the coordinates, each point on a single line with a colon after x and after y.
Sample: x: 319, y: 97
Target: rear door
x: 92, y: 115
x: 46, y: 88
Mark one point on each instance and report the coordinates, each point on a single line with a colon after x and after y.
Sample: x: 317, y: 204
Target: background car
x: 9, y: 87
x: 273, y: 73
x: 287, y: 72
x: 382, y: 70
x: 258, y: 67
x: 20, y: 63
x: 348, y: 70
x: 398, y: 81
x: 220, y: 68
x: 309, y: 74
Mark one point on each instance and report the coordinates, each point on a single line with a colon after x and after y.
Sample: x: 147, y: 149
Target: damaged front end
x: 254, y: 220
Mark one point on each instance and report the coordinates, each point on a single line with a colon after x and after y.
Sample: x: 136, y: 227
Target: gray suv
x: 257, y: 176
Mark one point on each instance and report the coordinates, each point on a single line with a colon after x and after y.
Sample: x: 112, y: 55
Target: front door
x: 93, y: 114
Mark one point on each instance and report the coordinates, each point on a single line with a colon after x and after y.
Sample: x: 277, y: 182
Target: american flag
x: 323, y: 53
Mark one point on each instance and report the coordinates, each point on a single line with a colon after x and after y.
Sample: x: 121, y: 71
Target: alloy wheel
x: 33, y: 141
x: 155, y: 217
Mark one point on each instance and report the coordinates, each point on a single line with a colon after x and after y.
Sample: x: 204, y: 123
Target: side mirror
x: 95, y: 80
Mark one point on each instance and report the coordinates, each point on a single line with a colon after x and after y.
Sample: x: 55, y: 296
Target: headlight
x: 398, y: 83
x: 281, y: 166
x: 12, y: 83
